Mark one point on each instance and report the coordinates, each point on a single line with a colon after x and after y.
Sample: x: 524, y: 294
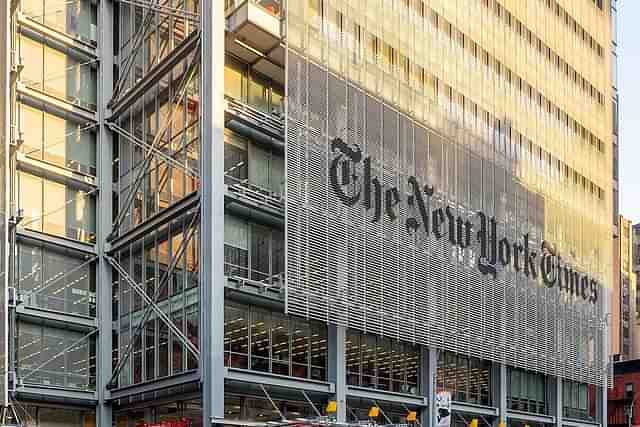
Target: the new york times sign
x: 441, y: 223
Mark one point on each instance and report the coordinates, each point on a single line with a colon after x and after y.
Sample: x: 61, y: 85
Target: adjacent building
x: 250, y: 212
x: 623, y: 308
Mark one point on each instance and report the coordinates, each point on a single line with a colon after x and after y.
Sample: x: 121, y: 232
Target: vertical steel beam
x: 428, y: 371
x: 338, y: 368
x: 556, y: 395
x: 212, y: 205
x: 500, y: 391
x: 104, y: 416
x: 5, y: 135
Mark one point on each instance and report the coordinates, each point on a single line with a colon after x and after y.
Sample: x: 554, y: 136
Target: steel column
x: 338, y: 368
x: 556, y: 395
x: 429, y: 369
x: 212, y: 205
x: 500, y: 392
x: 104, y: 416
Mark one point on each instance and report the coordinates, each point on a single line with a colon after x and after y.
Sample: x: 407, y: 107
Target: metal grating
x: 347, y: 269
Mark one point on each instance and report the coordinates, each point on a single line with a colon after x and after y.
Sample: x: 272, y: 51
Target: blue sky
x: 629, y: 86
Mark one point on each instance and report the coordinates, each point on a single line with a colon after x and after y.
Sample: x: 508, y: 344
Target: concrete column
x: 212, y: 211
x: 104, y: 416
x: 428, y: 371
x: 338, y: 368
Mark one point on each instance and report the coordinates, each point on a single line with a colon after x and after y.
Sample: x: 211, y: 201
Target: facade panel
x: 421, y: 208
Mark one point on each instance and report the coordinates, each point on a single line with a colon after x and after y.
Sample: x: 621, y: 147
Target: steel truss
x: 153, y: 302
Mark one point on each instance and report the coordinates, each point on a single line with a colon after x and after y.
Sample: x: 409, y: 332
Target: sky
x: 629, y: 89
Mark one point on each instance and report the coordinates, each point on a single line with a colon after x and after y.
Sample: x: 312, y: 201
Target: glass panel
x: 33, y: 59
x: 236, y: 337
x: 31, y: 201
x: 280, y: 344
x: 233, y: 79
x: 260, y: 252
x: 32, y: 131
x: 260, y: 341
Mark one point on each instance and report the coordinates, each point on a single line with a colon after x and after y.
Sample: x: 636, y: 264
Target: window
x: 56, y: 280
x: 56, y: 357
x: 253, y: 166
x: 248, y: 86
x: 58, y: 73
x: 54, y: 208
x: 253, y: 251
x: 382, y: 363
x: 58, y: 140
x: 76, y: 18
x: 579, y: 400
x: 526, y: 391
x: 274, y: 342
x: 467, y: 378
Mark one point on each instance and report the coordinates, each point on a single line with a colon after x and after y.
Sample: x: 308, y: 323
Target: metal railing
x: 272, y: 122
x: 243, y: 189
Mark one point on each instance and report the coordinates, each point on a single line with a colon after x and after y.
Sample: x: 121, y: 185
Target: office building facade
x: 254, y: 211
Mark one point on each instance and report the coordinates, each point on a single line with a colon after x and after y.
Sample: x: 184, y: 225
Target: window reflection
x: 58, y: 73
x: 274, y: 342
x: 76, y: 18
x: 56, y: 209
x: 382, y: 363
x: 58, y: 140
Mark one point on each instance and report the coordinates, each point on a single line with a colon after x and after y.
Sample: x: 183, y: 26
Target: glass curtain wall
x: 157, y: 352
x: 57, y: 280
x: 58, y: 140
x: 526, y: 391
x: 250, y: 87
x: 59, y: 73
x: 253, y: 251
x: 76, y: 18
x: 261, y: 340
x: 55, y: 357
x: 467, y: 378
x: 579, y: 400
x: 252, y: 165
x: 382, y: 363
x: 43, y: 416
x: 55, y: 208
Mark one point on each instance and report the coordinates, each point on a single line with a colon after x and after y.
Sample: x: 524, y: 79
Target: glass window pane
x: 32, y: 56
x: 32, y: 131
x: 260, y: 325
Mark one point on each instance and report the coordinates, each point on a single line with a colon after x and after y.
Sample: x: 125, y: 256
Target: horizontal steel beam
x: 153, y: 223
x: 56, y: 395
x: 43, y: 316
x: 525, y: 416
x: 579, y: 423
x: 157, y: 385
x: 128, y: 98
x: 54, y: 241
x: 474, y: 409
x: 386, y: 396
x: 274, y: 380
x: 86, y: 48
